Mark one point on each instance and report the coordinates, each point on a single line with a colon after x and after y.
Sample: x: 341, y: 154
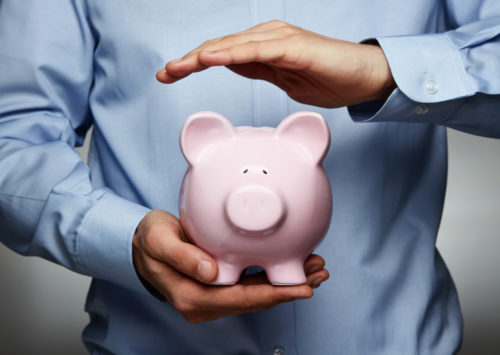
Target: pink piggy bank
x: 256, y: 195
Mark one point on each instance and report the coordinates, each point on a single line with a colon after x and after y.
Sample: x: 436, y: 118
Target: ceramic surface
x: 256, y: 195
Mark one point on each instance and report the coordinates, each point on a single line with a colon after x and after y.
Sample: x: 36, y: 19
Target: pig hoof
x: 215, y: 283
x: 287, y: 274
x: 228, y: 274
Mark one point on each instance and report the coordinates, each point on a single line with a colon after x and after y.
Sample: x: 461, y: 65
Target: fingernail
x: 176, y: 61
x: 313, y: 268
x: 316, y: 282
x: 205, y: 270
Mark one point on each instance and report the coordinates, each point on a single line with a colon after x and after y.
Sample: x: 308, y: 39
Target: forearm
x: 450, y: 78
x: 48, y: 206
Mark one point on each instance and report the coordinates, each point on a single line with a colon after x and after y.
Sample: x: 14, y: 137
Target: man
x: 73, y: 64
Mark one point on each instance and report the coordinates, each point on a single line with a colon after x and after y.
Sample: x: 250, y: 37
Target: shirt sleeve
x: 450, y: 78
x: 48, y: 206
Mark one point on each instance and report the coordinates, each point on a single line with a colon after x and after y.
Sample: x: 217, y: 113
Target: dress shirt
x: 68, y: 65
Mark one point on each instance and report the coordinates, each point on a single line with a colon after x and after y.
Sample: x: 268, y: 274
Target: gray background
x: 42, y: 303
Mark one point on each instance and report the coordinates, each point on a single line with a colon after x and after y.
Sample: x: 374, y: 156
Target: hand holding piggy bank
x: 256, y: 195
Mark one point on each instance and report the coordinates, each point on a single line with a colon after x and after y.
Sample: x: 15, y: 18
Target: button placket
x: 269, y: 102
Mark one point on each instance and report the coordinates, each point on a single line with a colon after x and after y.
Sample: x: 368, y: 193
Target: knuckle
x: 287, y: 31
x: 154, y: 270
x: 191, y: 318
x: 208, y: 43
x: 255, y: 47
x: 176, y: 258
x: 173, y: 228
x: 276, y: 23
x: 149, y: 242
x: 246, y: 306
x: 153, y: 240
x: 184, y: 307
x: 293, y: 94
x: 297, y: 36
x: 189, y: 312
x: 155, y: 230
x: 297, y: 97
x: 246, y: 302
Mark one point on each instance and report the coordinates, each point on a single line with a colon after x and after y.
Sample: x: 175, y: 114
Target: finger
x: 177, y: 288
x: 315, y: 279
x: 252, y: 51
x: 232, y: 40
x: 192, y: 62
x: 162, y: 76
x: 262, y: 72
x: 167, y: 78
x: 189, y: 63
x: 248, y: 298
x: 166, y: 245
x: 270, y: 25
x: 279, y: 53
x: 264, y: 31
x: 313, y: 263
x: 198, y: 302
x: 254, y: 71
x: 156, y: 273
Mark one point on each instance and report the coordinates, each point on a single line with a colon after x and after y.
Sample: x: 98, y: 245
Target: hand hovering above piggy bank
x: 256, y: 195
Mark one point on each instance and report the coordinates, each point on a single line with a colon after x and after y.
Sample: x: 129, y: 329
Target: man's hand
x: 180, y: 270
x: 311, y: 68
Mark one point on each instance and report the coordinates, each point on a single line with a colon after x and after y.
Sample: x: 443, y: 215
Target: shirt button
x: 422, y: 109
x: 431, y: 87
x: 278, y: 350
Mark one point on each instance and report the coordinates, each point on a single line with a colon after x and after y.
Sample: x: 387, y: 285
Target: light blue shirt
x: 66, y: 65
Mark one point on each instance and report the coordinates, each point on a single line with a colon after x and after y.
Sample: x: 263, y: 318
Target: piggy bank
x: 256, y: 196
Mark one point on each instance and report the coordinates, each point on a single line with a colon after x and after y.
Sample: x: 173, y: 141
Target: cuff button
x: 278, y: 350
x: 422, y: 109
x: 431, y: 87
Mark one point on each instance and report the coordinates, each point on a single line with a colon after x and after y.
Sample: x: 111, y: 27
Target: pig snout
x: 255, y: 209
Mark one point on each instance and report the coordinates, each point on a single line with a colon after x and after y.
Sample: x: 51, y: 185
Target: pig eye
x: 245, y: 171
x: 264, y: 171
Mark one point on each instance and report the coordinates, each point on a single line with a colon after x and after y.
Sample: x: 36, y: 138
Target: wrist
x: 136, y: 259
x: 379, y: 74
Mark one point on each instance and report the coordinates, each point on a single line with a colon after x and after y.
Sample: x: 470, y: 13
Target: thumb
x: 184, y: 257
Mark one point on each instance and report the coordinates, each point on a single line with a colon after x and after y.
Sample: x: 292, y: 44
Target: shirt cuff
x: 104, y: 241
x: 426, y: 68
x: 430, y: 77
x: 399, y: 108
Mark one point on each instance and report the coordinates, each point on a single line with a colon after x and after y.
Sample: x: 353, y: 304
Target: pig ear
x: 309, y: 130
x: 200, y: 131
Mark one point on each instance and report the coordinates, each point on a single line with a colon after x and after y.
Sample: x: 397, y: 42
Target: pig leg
x: 228, y: 274
x: 290, y: 272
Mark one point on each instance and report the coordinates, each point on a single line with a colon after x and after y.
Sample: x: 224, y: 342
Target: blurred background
x: 41, y: 304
